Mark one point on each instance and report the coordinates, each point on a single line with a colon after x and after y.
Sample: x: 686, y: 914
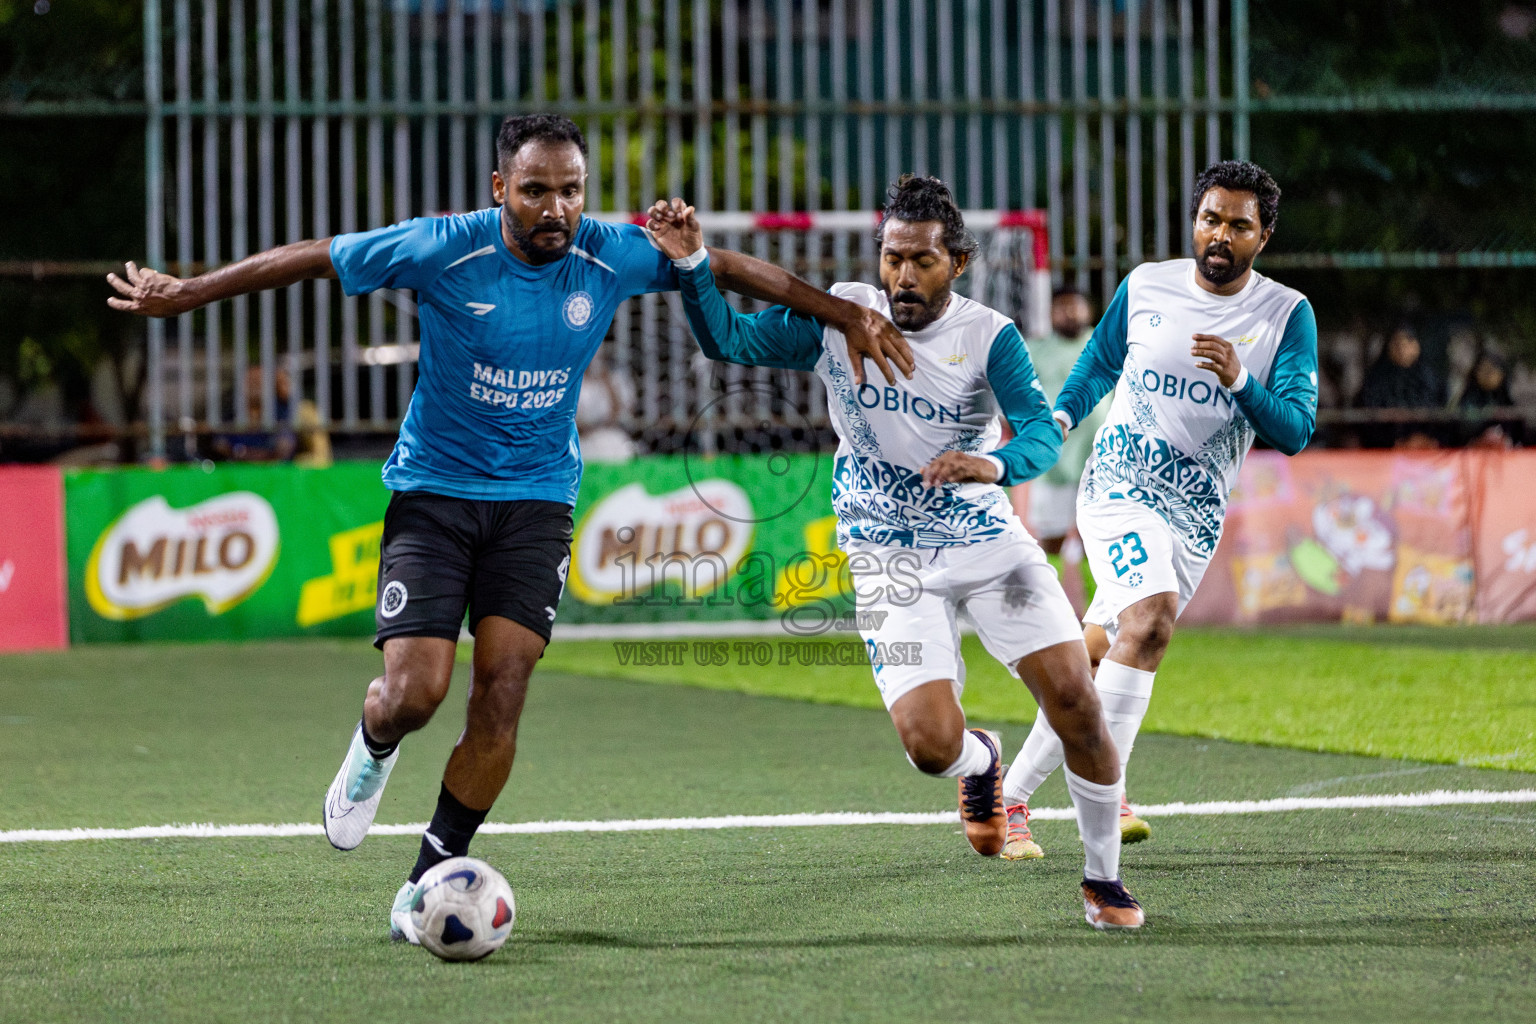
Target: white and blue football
x: 463, y: 909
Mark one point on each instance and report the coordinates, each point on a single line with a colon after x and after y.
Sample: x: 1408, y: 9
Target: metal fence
x: 271, y: 121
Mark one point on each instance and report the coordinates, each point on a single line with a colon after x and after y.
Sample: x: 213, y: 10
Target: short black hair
x: 520, y: 129
x: 917, y: 198
x: 1064, y: 290
x: 1240, y: 176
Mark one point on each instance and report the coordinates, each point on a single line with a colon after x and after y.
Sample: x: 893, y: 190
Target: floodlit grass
x: 1453, y: 696
x: 1327, y: 915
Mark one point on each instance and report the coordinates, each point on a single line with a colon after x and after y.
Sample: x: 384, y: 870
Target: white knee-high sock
x: 1098, y: 823
x: 1040, y: 755
x: 1124, y: 693
x: 975, y: 758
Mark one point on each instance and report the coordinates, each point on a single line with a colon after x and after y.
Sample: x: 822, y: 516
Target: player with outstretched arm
x: 1208, y: 353
x: 926, y: 527
x: 513, y: 302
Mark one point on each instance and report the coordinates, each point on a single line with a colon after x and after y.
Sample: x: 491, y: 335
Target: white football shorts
x: 909, y: 600
x: 1052, y: 508
x: 1134, y: 554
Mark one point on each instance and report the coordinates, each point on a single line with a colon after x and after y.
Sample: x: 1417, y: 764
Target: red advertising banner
x: 32, y: 608
x: 1504, y: 531
x: 1424, y: 537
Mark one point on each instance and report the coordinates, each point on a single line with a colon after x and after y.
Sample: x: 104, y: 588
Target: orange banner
x: 1425, y: 537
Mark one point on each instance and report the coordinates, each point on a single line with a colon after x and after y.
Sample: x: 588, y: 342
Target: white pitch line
x: 1436, y: 798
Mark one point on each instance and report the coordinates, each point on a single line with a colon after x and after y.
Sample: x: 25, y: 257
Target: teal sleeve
x: 1036, y: 440
x: 1098, y: 369
x: 778, y: 336
x: 1285, y: 413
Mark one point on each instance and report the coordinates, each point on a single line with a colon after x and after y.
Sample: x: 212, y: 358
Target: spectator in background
x: 1052, y: 511
x: 302, y: 440
x: 1401, y: 379
x: 1487, y: 387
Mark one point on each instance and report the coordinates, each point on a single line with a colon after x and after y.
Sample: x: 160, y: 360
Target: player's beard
x: 536, y: 255
x: 1221, y: 275
x: 925, y: 314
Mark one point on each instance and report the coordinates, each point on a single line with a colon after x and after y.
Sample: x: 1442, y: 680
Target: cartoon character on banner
x: 1350, y: 555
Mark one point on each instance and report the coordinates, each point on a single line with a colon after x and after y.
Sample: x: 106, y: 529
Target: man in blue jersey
x: 1203, y: 355
x: 513, y: 303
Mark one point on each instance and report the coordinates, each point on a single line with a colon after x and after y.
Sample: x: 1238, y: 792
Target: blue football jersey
x: 504, y: 345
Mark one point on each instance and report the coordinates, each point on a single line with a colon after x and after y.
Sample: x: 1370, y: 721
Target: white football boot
x: 353, y: 798
x: 400, y: 927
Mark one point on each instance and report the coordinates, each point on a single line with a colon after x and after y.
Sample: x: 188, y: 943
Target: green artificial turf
x: 1360, y: 915
x: 1458, y: 696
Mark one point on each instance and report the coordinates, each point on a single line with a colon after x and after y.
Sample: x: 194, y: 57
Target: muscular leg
x: 931, y: 725
x: 1144, y: 630
x: 1062, y: 684
x: 417, y: 671
x: 505, y: 655
x: 1059, y: 679
x: 1097, y: 642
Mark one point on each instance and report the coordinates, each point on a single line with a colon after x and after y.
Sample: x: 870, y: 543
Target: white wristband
x: 1241, y: 382
x: 689, y: 262
x: 1064, y: 418
x: 998, y: 463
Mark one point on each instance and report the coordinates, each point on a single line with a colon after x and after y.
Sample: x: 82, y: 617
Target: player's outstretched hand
x: 872, y: 336
x: 959, y: 468
x: 675, y: 228
x: 148, y: 292
x: 1219, y: 357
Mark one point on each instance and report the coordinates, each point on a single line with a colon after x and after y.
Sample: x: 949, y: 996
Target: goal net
x: 669, y: 397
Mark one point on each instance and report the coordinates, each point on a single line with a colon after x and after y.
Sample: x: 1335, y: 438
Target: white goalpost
x: 1012, y: 273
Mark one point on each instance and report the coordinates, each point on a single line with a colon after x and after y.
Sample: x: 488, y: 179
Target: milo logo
x: 221, y: 551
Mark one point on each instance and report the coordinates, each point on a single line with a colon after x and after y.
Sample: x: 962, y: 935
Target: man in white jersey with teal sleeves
x: 1208, y: 354
x: 513, y: 302
x: 927, y: 528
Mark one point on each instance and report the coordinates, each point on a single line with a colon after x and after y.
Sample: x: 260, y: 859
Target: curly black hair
x: 521, y: 129
x: 1239, y: 176
x: 917, y: 198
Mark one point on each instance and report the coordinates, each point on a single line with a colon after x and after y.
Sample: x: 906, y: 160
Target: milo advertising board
x: 235, y: 552
x: 692, y: 539
x: 267, y: 551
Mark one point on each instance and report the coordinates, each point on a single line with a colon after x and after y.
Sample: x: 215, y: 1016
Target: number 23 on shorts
x: 1126, y: 552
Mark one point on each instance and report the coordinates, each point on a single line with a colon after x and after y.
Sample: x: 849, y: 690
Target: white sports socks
x: 1038, y: 757
x: 975, y: 758
x: 1098, y: 823
x: 1124, y: 693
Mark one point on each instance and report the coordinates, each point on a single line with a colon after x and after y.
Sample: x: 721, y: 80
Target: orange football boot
x: 981, y: 801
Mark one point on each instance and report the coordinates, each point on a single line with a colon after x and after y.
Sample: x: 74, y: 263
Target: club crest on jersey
x: 954, y: 360
x: 578, y: 310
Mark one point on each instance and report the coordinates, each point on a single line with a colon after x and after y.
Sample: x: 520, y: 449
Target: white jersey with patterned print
x: 888, y: 432
x: 1175, y: 438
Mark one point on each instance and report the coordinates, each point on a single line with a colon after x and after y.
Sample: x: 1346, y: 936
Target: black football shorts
x: 441, y: 556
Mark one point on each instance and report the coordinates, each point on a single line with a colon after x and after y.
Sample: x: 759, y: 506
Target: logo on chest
x: 578, y: 310
x: 900, y: 400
